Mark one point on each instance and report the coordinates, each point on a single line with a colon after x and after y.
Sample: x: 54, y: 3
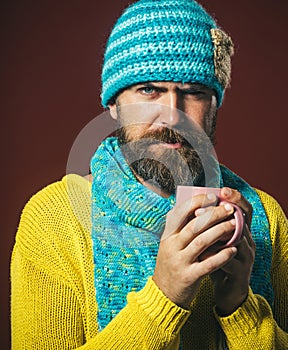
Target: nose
x: 170, y: 114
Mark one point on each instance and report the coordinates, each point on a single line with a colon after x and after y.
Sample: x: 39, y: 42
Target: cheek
x: 196, y: 117
x: 135, y: 131
x: 202, y: 113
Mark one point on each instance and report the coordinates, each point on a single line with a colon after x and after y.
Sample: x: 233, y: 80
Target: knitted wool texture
x: 127, y: 222
x: 166, y: 40
x: 53, y: 303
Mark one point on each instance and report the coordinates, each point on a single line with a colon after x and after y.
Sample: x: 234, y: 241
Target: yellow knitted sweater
x: 53, y: 304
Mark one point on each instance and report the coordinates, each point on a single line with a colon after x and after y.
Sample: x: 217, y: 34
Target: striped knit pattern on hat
x: 165, y: 40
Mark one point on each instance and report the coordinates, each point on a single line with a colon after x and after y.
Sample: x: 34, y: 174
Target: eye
x: 147, y: 90
x: 195, y: 92
x: 198, y: 92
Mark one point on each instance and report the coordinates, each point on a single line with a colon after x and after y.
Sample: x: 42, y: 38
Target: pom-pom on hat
x: 166, y: 40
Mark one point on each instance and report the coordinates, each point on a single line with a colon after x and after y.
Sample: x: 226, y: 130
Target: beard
x: 166, y: 168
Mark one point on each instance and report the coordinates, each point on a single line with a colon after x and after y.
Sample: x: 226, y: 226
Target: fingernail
x: 211, y: 196
x: 200, y: 211
x: 228, y: 207
x: 233, y: 222
x: 227, y: 191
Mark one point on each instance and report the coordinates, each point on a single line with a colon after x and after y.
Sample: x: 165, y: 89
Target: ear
x: 113, y: 110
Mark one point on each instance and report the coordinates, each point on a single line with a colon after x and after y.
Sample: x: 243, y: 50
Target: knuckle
x: 198, y: 200
x: 199, y: 241
x: 217, y: 213
x: 225, y: 226
x: 238, y: 196
x: 196, y: 273
x: 186, y: 278
x: 203, y: 221
x: 188, y: 231
x: 210, y: 266
x: 198, y: 224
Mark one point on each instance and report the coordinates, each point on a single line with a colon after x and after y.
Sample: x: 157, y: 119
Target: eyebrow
x: 181, y: 85
x: 193, y: 86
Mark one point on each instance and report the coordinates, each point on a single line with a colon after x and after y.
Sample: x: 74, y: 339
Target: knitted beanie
x: 166, y: 40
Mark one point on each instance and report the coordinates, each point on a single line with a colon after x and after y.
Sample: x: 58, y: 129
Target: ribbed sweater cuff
x: 243, y: 320
x: 159, y: 308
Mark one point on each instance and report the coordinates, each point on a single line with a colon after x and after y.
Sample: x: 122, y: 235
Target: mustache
x: 166, y: 135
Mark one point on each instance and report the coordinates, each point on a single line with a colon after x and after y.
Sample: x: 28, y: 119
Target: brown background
x: 50, y: 66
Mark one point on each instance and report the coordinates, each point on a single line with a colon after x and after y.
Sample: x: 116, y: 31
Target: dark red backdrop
x: 50, y: 66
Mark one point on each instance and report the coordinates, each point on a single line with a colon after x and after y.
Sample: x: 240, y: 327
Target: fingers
x: 203, y: 223
x: 191, y: 228
x: 234, y: 196
x: 243, y: 262
x: 214, y: 262
x: 181, y: 214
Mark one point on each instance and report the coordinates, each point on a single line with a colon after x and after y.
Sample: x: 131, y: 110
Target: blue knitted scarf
x: 127, y: 222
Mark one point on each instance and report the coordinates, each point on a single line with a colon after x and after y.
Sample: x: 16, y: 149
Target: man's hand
x: 179, y: 270
x: 231, y: 282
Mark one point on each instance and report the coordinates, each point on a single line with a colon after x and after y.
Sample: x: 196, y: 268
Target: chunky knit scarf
x: 127, y: 222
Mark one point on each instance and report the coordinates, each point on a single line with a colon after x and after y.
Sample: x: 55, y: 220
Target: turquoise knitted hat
x: 166, y: 40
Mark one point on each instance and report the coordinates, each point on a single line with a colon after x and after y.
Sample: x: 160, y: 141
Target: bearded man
x: 112, y: 261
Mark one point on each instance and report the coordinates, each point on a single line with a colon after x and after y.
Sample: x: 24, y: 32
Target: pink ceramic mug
x: 183, y: 193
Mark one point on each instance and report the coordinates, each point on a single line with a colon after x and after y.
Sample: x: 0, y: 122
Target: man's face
x: 165, y: 129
